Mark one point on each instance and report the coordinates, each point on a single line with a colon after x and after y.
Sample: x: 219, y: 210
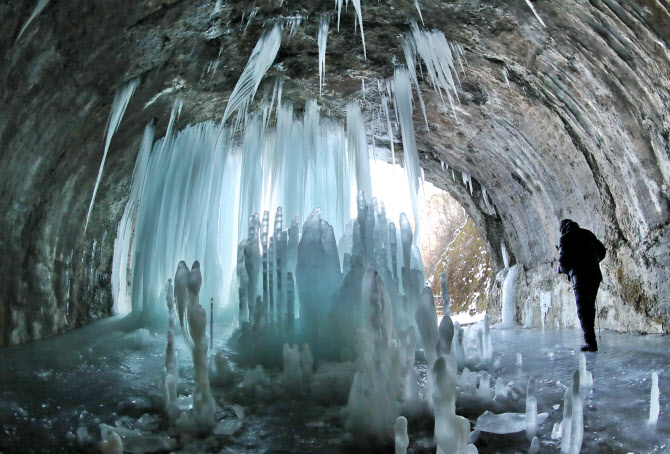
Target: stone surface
x: 581, y: 131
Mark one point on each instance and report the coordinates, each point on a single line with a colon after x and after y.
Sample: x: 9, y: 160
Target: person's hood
x: 568, y: 225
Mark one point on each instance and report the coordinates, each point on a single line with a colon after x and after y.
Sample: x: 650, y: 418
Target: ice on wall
x: 121, y: 100
x: 41, y: 4
x: 259, y: 62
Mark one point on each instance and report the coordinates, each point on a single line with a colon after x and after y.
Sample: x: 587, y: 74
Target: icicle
x: 388, y: 125
x: 410, y: 53
x: 338, y: 5
x: 403, y: 106
x: 359, y: 14
x: 259, y: 62
x: 119, y: 105
x: 487, y: 201
x: 41, y: 4
x: 535, y: 12
x: 418, y: 8
x: 467, y: 180
x: 436, y: 54
x: 506, y: 79
x: 322, y: 39
x: 217, y: 8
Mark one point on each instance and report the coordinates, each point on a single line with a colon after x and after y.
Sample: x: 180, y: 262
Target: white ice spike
x: 322, y: 39
x: 259, y: 62
x: 119, y: 105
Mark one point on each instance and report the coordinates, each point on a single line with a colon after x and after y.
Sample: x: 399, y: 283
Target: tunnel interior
x: 242, y: 152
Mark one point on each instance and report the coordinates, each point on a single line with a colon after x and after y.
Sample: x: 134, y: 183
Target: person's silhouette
x: 579, y: 256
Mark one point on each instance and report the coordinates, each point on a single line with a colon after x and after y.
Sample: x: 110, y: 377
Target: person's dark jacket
x: 579, y: 251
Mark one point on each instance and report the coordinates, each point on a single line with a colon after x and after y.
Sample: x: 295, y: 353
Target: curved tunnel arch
x: 580, y: 131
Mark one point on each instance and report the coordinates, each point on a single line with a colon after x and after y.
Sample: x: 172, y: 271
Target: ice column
x: 125, y: 231
x: 654, y: 404
x: 121, y: 100
x: 357, y: 146
x: 426, y: 321
x: 403, y: 106
x: 509, y: 299
x: 567, y: 422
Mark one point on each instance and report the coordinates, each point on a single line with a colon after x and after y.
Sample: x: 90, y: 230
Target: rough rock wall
x: 580, y: 131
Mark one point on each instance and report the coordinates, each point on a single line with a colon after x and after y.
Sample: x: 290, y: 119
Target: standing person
x: 579, y: 256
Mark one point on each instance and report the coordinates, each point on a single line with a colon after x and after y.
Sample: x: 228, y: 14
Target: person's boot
x: 590, y: 339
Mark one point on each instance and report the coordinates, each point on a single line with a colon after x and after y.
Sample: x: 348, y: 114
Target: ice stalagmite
x: 292, y: 370
x: 577, y: 423
x: 201, y: 418
x: 459, y: 350
x: 446, y: 307
x: 654, y: 407
x: 181, y: 294
x: 41, y: 4
x: 125, y: 231
x: 322, y: 40
x: 112, y: 445
x: 534, y: 446
x: 393, y: 243
x: 451, y: 431
x: 259, y: 62
x: 121, y: 100
x: 446, y: 336
x: 426, y: 322
x: 531, y: 410
x: 566, y: 425
x: 585, y: 376
x: 243, y: 283
x: 401, y: 437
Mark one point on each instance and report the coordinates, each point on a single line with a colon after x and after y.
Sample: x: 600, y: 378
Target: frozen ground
x: 99, y: 374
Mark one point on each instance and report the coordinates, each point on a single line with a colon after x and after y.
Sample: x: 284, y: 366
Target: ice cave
x: 285, y: 226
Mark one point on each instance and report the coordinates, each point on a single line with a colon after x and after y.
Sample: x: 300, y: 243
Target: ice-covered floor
x: 99, y: 374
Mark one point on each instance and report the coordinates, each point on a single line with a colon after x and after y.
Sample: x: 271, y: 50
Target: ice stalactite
x: 359, y: 16
x: 530, y: 4
x: 41, y: 4
x: 125, y: 231
x: 338, y: 5
x: 467, y: 181
x: 654, y: 406
x: 487, y: 201
x: 446, y: 305
x: 531, y: 410
x: 435, y: 51
x: 418, y: 9
x: 259, y: 62
x: 409, y: 49
x: 403, y: 106
x: 357, y: 145
x: 322, y: 40
x: 121, y: 100
x: 389, y: 130
x: 509, y: 299
x: 401, y: 437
